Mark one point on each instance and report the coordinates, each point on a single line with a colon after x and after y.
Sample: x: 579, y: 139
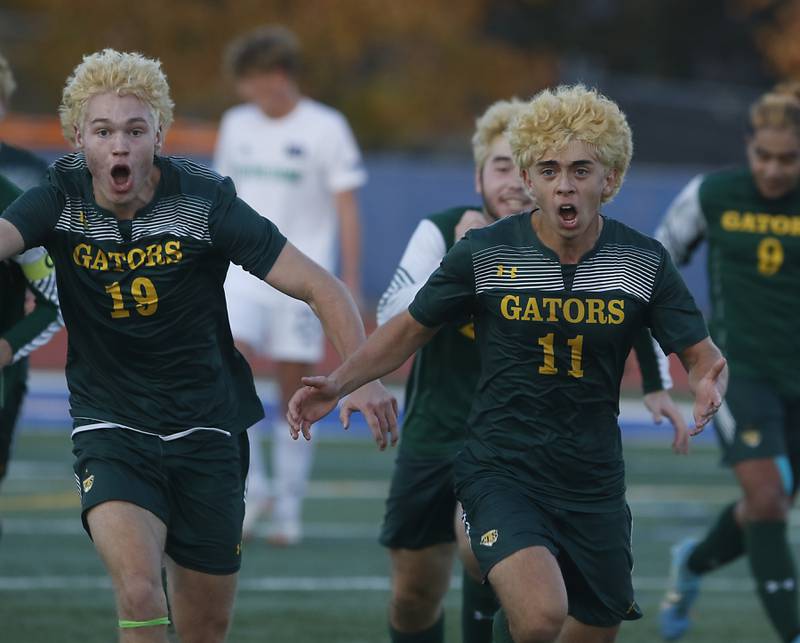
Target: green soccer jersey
x: 444, y: 374
x: 753, y: 269
x: 553, y: 341
x: 149, y: 344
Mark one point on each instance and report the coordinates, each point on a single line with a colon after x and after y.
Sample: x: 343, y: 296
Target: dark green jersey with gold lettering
x: 150, y: 346
x: 553, y: 341
x: 753, y: 270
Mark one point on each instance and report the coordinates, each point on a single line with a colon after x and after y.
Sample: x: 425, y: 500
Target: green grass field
x: 334, y: 587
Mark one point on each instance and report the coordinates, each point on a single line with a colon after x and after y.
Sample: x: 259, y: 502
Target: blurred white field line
x: 300, y: 584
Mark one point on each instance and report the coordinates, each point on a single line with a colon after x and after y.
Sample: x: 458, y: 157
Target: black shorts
x: 194, y: 485
x: 756, y: 422
x: 593, y: 550
x: 421, y: 505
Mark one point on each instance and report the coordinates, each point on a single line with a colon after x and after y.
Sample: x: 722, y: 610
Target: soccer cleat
x: 684, y: 586
x: 285, y: 535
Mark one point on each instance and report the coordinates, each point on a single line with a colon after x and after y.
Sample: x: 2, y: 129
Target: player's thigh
x: 207, y: 472
x: 115, y: 464
x: 596, y: 561
x: 295, y: 333
x: 421, y: 502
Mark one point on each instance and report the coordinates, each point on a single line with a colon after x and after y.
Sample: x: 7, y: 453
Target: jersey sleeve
x: 449, y: 293
x: 673, y: 316
x: 341, y: 159
x: 653, y: 363
x: 36, y: 329
x: 422, y: 255
x: 683, y: 226
x: 242, y: 235
x: 35, y: 214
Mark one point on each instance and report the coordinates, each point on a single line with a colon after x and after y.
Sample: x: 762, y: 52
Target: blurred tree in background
x: 413, y: 74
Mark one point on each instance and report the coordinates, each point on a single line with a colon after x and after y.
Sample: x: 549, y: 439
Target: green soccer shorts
x: 194, y: 485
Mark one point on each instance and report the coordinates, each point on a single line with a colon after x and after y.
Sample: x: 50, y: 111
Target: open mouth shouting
x: 121, y: 178
x: 568, y: 215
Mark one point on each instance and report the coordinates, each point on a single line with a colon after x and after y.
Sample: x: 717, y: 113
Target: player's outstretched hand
x: 708, y: 398
x: 661, y: 405
x: 379, y: 408
x: 311, y: 402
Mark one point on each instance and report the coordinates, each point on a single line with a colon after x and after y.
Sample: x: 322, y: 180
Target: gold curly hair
x: 124, y: 74
x: 491, y: 124
x: 778, y: 109
x: 556, y: 117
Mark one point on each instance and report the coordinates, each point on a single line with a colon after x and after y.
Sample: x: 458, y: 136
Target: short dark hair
x: 264, y: 49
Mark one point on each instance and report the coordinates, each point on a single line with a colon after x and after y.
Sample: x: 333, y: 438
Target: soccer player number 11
x: 576, y: 355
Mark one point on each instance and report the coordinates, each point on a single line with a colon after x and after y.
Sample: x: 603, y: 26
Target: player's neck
x: 568, y: 249
x: 282, y: 105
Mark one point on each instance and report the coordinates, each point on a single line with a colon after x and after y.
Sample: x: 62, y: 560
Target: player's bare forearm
x: 11, y: 241
x: 384, y: 351
x: 298, y: 276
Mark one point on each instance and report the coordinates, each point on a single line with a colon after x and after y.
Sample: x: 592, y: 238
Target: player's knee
x: 414, y: 603
x: 768, y: 502
x: 211, y: 627
x: 541, y: 626
x: 141, y: 597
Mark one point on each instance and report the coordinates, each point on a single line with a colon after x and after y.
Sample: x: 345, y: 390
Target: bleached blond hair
x: 491, y: 124
x: 778, y: 109
x: 556, y: 117
x: 7, y: 82
x: 123, y: 73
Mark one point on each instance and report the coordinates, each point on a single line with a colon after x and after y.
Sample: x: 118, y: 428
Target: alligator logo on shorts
x: 489, y: 538
x: 87, y: 483
x: 751, y: 437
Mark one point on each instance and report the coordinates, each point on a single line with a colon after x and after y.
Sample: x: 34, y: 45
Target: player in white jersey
x: 295, y: 161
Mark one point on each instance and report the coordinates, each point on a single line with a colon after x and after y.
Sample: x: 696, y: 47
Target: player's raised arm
x: 296, y: 275
x: 11, y: 242
x: 385, y: 350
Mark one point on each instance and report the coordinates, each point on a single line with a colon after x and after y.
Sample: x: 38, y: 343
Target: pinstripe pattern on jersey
x: 531, y: 269
x: 630, y: 269
x: 181, y: 215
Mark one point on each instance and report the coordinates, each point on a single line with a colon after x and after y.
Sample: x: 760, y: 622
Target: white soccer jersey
x: 290, y: 168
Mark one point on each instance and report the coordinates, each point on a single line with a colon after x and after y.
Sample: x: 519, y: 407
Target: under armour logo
x: 502, y: 271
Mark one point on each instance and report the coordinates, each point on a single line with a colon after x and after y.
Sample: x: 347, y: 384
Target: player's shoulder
x: 239, y: 113
x: 313, y: 111
x: 451, y: 216
x: 729, y: 182
x: 69, y: 173
x: 507, y: 231
x: 184, y: 176
x: 622, y: 236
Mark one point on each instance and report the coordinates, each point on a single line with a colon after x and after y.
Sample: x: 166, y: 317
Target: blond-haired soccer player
x: 159, y: 396
x: 557, y: 295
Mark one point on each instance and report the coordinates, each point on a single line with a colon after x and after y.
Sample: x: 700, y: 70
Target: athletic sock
x: 500, y: 630
x: 775, y: 575
x: 478, y: 605
x: 723, y: 543
x: 434, y: 634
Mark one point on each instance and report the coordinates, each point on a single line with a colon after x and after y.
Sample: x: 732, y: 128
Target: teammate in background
x: 21, y: 334
x: 418, y: 527
x: 296, y: 161
x: 751, y: 220
x: 557, y: 296
x: 19, y: 166
x: 159, y: 396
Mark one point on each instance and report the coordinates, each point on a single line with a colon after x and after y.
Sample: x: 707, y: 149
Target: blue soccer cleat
x: 684, y: 586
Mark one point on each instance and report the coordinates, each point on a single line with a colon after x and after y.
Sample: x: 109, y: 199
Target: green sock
x: 434, y: 634
x: 723, y: 543
x: 774, y: 572
x: 500, y: 631
x: 478, y: 605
